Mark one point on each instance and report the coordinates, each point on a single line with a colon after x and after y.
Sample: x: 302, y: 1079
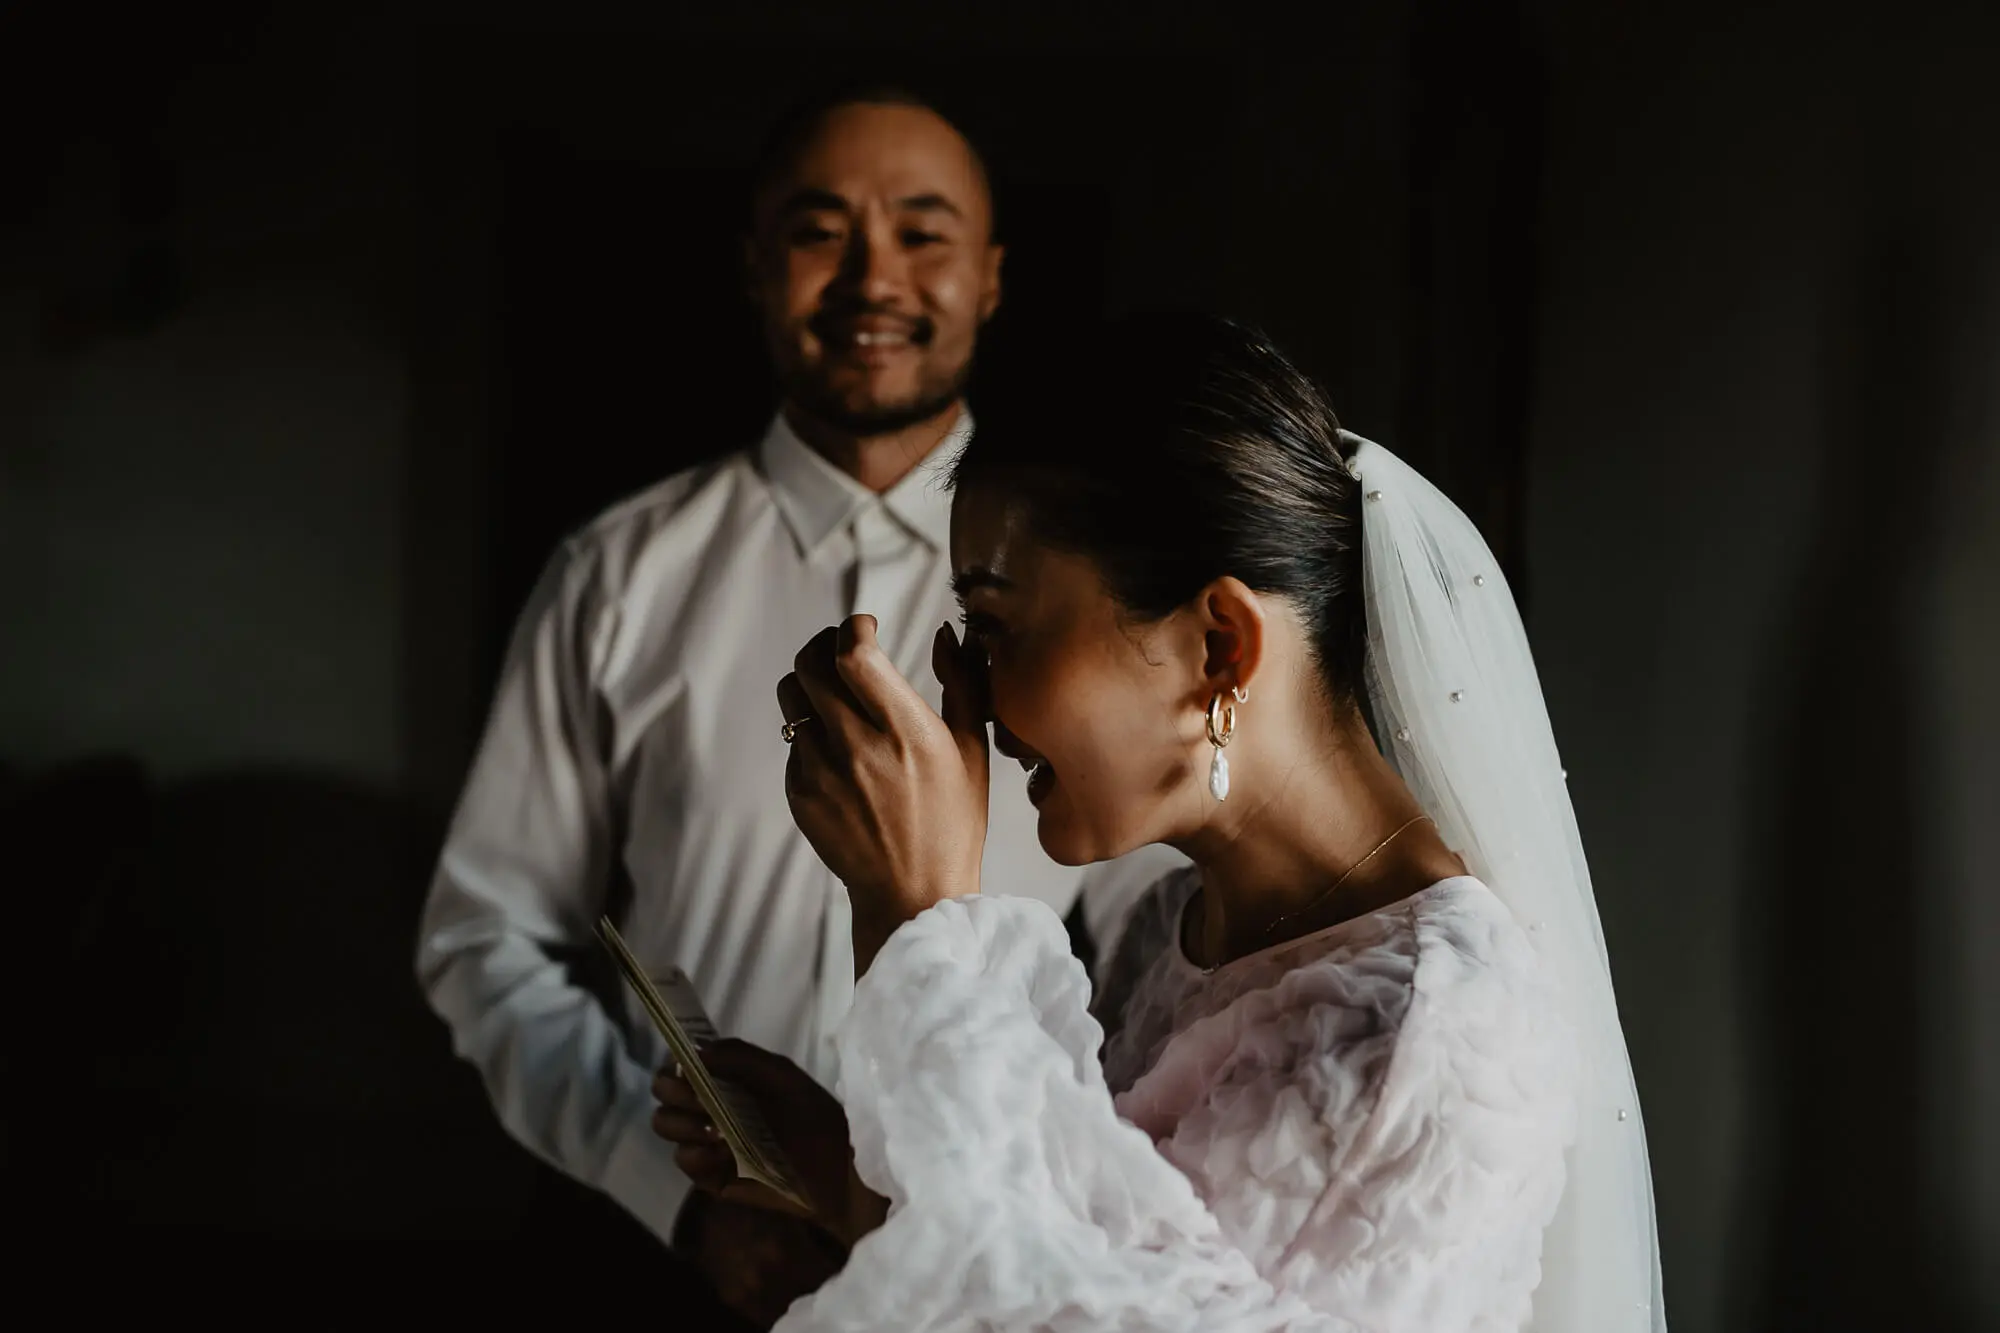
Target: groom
x: 632, y: 764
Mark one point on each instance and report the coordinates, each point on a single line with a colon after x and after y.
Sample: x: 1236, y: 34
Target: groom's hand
x: 890, y: 794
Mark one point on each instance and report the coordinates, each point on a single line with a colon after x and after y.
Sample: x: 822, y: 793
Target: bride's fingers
x: 679, y: 1127
x: 749, y: 1067
x: 762, y: 1196
x: 810, y: 768
x: 966, y: 709
x: 872, y: 678
x: 841, y: 716
x: 711, y: 1168
x: 793, y: 704
x: 838, y: 723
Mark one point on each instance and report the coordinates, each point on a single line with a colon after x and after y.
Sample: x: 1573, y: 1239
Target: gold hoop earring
x: 1221, y: 731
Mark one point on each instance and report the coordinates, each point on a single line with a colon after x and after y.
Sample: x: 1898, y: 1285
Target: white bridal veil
x: 1460, y: 712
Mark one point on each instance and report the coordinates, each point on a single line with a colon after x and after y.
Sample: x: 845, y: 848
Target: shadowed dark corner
x: 1838, y: 1226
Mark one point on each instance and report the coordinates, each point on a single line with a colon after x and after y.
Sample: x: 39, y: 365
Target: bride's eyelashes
x: 980, y: 629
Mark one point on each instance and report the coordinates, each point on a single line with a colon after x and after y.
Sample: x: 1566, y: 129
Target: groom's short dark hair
x: 793, y: 126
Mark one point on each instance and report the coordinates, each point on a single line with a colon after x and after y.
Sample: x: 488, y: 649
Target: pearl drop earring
x: 1221, y: 731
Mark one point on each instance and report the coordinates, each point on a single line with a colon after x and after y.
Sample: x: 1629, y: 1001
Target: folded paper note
x: 676, y: 1011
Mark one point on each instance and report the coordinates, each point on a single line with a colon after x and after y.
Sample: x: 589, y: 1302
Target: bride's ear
x: 1234, y: 633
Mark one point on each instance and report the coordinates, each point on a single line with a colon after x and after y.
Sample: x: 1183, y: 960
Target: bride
x: 1361, y: 1066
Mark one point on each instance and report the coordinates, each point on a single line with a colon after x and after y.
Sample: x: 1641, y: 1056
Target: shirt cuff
x: 640, y: 1175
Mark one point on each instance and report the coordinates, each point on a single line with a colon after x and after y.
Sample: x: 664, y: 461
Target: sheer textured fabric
x: 1360, y: 1129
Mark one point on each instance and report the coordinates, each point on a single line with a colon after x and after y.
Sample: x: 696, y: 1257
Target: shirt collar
x: 817, y: 499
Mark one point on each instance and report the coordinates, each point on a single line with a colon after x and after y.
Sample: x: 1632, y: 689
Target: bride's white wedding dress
x: 1360, y: 1129
x: 1422, y: 1119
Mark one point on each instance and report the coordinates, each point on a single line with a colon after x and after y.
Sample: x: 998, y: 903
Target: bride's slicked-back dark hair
x: 1174, y: 449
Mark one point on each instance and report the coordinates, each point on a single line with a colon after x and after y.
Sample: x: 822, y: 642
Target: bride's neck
x: 1305, y: 818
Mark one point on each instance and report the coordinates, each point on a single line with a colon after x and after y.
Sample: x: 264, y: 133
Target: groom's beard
x: 808, y: 394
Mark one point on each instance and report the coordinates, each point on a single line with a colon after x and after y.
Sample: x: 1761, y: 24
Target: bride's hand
x: 805, y: 1119
x: 891, y: 795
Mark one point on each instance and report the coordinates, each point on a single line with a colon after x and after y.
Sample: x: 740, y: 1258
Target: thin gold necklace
x: 1290, y: 916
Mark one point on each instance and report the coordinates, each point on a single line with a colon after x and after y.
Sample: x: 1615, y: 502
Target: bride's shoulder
x: 1487, y: 994
x: 1462, y: 920
x: 1450, y: 964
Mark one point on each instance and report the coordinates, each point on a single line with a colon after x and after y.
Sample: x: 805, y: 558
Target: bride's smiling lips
x: 1041, y: 774
x: 1041, y: 780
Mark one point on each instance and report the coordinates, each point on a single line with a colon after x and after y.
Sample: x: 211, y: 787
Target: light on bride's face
x: 1089, y: 704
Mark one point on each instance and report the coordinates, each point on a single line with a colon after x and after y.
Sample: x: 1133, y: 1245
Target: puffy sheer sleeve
x: 1020, y: 1199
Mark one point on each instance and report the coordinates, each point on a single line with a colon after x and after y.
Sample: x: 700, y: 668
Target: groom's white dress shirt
x: 632, y: 764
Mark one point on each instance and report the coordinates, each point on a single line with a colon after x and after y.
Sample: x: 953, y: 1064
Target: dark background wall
x: 315, y: 334
x: 1764, y: 483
